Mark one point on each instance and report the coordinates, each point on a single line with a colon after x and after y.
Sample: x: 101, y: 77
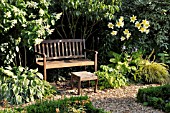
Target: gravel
x: 120, y: 100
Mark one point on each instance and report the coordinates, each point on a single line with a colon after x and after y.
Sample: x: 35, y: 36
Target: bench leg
x: 89, y: 83
x: 79, y: 87
x: 45, y: 74
x: 71, y: 82
x: 95, y: 87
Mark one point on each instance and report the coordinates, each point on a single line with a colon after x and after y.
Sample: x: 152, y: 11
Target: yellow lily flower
x: 144, y: 22
x: 133, y: 19
x: 138, y: 25
x: 119, y: 24
x: 126, y: 31
x: 147, y: 31
x: 121, y: 19
x: 142, y: 29
x: 110, y: 25
x: 146, y: 25
x: 128, y: 35
x: 122, y: 38
x: 113, y: 33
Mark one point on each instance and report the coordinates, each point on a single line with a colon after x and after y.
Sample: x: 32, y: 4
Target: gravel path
x: 121, y: 100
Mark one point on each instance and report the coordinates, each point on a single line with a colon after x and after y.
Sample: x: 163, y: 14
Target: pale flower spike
x: 38, y: 41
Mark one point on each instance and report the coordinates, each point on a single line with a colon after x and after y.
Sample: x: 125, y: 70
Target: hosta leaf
x: 31, y: 91
x: 27, y: 99
x: 8, y: 73
x: 39, y: 94
x: 18, y: 99
x: 26, y: 82
x: 15, y: 90
x: 40, y: 75
x: 21, y: 68
x: 31, y: 97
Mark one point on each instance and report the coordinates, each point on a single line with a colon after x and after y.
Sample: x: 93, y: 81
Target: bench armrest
x: 87, y: 50
x: 95, y: 57
x: 41, y: 54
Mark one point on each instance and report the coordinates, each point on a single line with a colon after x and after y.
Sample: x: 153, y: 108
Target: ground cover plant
x: 157, y: 97
x: 80, y: 104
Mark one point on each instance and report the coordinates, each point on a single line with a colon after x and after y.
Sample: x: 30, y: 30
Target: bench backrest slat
x: 51, y: 49
x: 61, y: 49
x: 58, y: 49
x: 55, y: 50
x: 70, y: 49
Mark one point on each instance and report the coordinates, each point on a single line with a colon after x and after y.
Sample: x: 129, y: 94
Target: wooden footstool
x: 83, y: 76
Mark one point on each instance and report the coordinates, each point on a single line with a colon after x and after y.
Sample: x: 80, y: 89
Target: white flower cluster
x: 32, y: 4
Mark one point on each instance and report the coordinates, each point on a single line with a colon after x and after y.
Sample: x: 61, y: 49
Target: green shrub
x: 153, y: 72
x: 156, y: 102
x: 9, y: 111
x: 167, y: 107
x: 164, y: 57
x: 110, y: 78
x: 67, y: 105
x: 158, y: 97
x: 21, y: 85
x: 121, y: 68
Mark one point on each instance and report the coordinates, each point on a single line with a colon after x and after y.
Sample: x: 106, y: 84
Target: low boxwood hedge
x: 81, y: 104
x: 158, y: 97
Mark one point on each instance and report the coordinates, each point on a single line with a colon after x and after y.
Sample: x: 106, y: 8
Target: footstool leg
x: 79, y: 87
x: 96, y: 83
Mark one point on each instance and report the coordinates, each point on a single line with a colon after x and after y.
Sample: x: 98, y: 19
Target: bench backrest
x: 61, y: 48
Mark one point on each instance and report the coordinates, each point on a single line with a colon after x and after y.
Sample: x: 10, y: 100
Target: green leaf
x: 18, y: 99
x: 39, y: 94
x: 26, y: 82
x: 40, y: 75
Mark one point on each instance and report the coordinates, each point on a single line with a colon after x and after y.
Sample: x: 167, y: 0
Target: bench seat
x: 66, y: 63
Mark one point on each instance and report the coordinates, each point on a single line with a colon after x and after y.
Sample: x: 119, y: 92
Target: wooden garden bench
x: 62, y: 53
